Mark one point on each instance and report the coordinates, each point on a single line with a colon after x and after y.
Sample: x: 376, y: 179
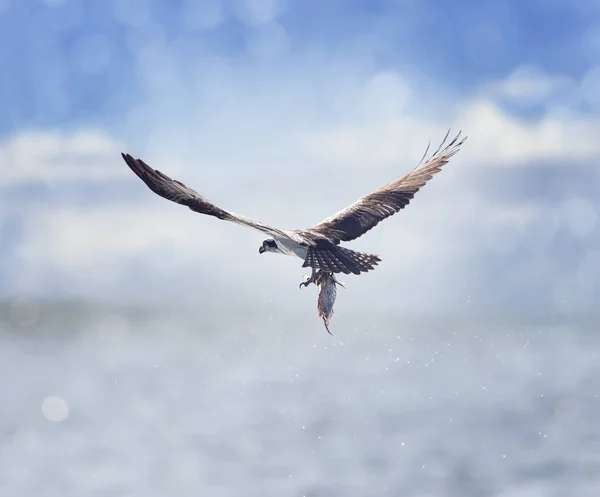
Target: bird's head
x: 268, y: 245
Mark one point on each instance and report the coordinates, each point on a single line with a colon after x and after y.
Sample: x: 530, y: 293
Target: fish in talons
x: 327, y: 284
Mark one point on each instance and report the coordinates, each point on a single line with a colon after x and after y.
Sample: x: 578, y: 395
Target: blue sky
x: 288, y: 111
x: 74, y: 61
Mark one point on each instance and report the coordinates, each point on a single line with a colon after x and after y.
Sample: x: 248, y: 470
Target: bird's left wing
x: 368, y: 211
x: 177, y: 192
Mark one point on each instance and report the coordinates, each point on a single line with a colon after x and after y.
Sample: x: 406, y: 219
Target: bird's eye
x: 271, y: 243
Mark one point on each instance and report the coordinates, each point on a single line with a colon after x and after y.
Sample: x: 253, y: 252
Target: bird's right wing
x: 177, y: 192
x: 368, y: 211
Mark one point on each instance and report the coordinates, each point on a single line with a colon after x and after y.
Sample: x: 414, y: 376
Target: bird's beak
x: 261, y: 249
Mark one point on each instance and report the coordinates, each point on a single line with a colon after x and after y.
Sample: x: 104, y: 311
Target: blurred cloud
x: 50, y: 156
x: 529, y: 86
x: 231, y: 101
x: 91, y: 248
x: 495, y: 137
x: 502, y: 138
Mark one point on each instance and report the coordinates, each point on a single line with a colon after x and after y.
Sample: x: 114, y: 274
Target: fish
x: 327, y: 284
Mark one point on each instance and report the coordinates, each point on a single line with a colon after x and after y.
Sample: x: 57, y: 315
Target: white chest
x: 290, y: 247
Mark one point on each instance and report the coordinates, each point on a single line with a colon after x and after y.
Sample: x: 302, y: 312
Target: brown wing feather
x: 364, y: 214
x: 176, y: 191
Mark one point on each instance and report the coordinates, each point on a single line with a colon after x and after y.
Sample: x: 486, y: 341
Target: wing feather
x: 368, y: 211
x: 178, y: 192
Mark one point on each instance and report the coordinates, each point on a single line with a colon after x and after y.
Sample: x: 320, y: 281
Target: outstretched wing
x: 176, y: 191
x: 364, y: 214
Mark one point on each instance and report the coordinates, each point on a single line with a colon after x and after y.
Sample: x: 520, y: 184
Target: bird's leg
x: 310, y: 279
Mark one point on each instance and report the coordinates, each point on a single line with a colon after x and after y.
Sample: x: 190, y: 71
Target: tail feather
x: 337, y: 261
x: 364, y: 262
x: 329, y: 259
x: 340, y: 260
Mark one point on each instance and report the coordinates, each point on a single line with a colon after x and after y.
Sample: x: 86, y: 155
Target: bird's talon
x: 307, y: 280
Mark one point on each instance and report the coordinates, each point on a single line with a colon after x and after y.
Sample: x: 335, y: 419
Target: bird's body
x: 318, y: 246
x: 288, y: 246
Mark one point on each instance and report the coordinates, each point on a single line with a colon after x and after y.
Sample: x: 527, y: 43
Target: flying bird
x: 318, y: 246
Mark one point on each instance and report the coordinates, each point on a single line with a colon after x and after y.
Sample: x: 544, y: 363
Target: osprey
x: 318, y: 246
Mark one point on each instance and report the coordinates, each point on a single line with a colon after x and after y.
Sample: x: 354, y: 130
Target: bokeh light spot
x: 55, y: 409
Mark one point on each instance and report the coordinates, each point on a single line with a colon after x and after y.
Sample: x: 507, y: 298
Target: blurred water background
x: 143, y: 402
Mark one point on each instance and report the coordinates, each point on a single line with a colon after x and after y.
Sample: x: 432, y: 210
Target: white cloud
x: 370, y: 145
x: 54, y: 156
x: 388, y: 94
x: 383, y: 127
x: 494, y: 137
x: 529, y: 86
x: 92, y: 250
x: 287, y: 155
x: 497, y: 137
x: 81, y: 238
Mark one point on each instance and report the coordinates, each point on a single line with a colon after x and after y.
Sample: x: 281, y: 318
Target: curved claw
x: 307, y: 280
